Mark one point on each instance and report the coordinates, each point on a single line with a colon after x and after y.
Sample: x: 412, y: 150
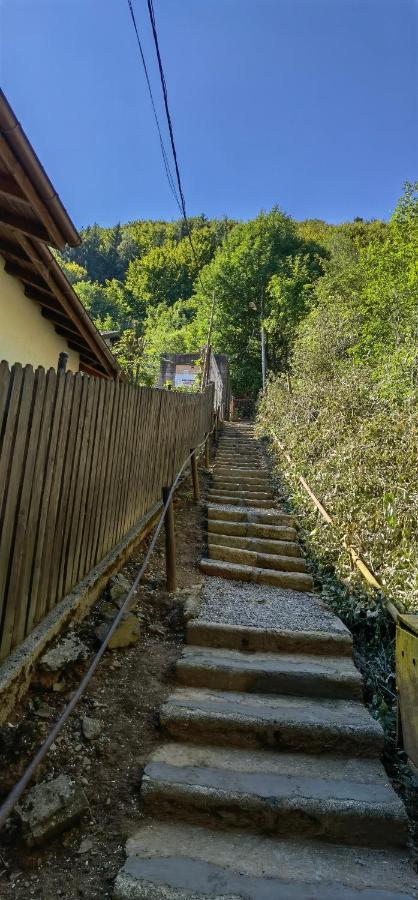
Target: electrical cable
x: 150, y: 6
x: 168, y: 172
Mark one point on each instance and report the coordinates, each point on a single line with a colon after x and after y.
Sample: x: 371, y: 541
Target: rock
x: 119, y: 585
x: 157, y: 629
x: 68, y: 651
x: 127, y: 632
x: 109, y: 611
x: 192, y: 607
x: 85, y: 846
x: 44, y: 711
x: 91, y: 728
x: 49, y: 808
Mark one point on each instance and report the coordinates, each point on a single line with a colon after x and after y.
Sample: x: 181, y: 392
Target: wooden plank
x: 27, y: 226
x: 58, y: 549
x: 11, y: 511
x: 91, y: 500
x: 22, y: 538
x: 105, y: 457
x: 11, y: 412
x: 71, y: 525
x: 150, y: 453
x: 38, y: 602
x: 123, y: 464
x: 37, y: 500
x: 10, y: 188
x: 57, y: 460
x: 142, y: 437
x: 115, y: 474
x: 72, y: 546
x: 108, y: 478
x: 127, y: 469
x: 132, y: 497
x: 5, y: 386
x: 87, y: 454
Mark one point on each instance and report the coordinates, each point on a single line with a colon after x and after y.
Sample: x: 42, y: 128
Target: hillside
x: 340, y: 315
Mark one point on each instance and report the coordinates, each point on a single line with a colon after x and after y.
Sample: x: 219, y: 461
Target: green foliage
x: 350, y: 421
x: 239, y: 275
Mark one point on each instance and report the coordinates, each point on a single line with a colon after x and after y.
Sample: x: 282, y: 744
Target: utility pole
x: 263, y: 343
x: 205, y: 375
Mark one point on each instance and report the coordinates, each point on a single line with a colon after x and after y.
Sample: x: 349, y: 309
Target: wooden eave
x: 32, y: 218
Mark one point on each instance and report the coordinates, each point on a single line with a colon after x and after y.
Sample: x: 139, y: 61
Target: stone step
x: 240, y: 484
x: 237, y: 514
x: 269, y: 640
x: 269, y: 673
x: 341, y: 800
x: 254, y: 559
x: 239, y: 471
x: 236, y: 462
x: 296, y: 581
x: 233, y: 500
x: 229, y: 718
x: 251, y: 529
x: 238, y: 494
x: 260, y: 545
x: 239, y: 457
x: 178, y: 861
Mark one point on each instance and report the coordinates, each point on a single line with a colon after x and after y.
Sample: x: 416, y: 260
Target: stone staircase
x: 248, y: 539
x: 269, y: 786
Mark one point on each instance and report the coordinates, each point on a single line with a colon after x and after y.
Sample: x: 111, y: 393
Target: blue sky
x: 311, y: 104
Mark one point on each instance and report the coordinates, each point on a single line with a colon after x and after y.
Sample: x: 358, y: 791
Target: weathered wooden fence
x: 81, y: 461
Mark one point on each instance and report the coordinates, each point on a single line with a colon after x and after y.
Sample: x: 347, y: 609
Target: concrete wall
x: 25, y: 336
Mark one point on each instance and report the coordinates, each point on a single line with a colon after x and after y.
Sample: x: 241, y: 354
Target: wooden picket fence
x: 81, y: 461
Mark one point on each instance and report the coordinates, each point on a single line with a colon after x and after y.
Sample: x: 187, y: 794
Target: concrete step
x: 296, y: 581
x: 258, y: 545
x: 341, y: 800
x: 250, y: 529
x: 269, y: 673
x: 255, y: 559
x: 186, y: 862
x: 229, y: 718
x: 233, y: 500
x: 269, y: 640
x: 238, y: 494
x: 237, y: 514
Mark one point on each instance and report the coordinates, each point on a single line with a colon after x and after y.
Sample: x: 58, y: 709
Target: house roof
x: 32, y: 218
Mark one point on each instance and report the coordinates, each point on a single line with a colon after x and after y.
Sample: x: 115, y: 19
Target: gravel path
x: 261, y: 606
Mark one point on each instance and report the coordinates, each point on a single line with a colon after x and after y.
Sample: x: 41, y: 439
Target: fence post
x: 170, y: 543
x: 195, y: 476
x: 207, y: 454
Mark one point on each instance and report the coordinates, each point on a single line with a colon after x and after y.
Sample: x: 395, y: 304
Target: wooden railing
x: 81, y: 461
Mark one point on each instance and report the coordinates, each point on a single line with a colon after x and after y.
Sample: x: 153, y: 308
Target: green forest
x: 339, y: 305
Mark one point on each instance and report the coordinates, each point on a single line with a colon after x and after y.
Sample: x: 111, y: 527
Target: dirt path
x: 125, y: 695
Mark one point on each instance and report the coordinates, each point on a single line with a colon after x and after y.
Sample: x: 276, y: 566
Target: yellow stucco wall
x: 25, y: 335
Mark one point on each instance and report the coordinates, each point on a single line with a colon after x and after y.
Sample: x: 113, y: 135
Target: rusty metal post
x: 170, y: 543
x: 207, y: 452
x: 195, y: 476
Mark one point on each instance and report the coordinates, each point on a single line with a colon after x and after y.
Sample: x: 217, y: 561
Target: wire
x: 171, y: 133
x: 168, y: 172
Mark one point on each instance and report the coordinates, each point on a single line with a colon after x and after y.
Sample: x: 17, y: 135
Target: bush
x: 358, y: 451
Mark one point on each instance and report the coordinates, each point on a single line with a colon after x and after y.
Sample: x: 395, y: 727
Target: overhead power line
x: 168, y: 172
x: 171, y: 133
